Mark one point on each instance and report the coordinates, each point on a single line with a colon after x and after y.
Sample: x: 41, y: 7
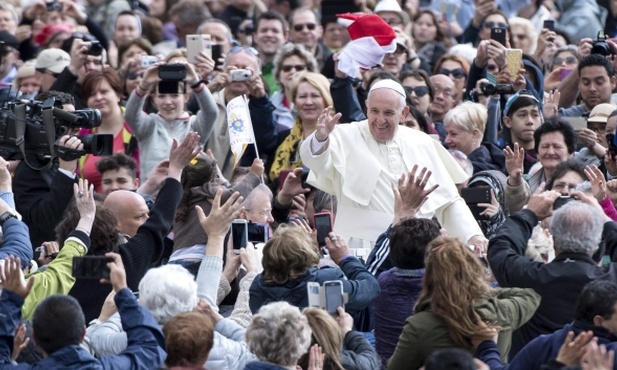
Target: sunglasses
x: 248, y: 49
x: 300, y: 26
x: 297, y: 67
x: 491, y: 67
x: 495, y: 24
x: 568, y: 60
x: 457, y: 73
x: 420, y: 91
x: 45, y: 71
x: 134, y: 75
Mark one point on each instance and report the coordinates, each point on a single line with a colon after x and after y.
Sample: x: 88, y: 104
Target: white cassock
x: 359, y: 171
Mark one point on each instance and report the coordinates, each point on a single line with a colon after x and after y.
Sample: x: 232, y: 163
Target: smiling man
x: 358, y: 162
x: 270, y: 35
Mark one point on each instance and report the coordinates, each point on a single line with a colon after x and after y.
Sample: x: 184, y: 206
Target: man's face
x: 47, y: 79
x: 334, y: 36
x: 131, y: 218
x: 7, y: 59
x: 260, y: 210
x: 241, y: 60
x: 219, y: 34
x: 611, y: 323
x: 393, y: 62
x: 305, y: 30
x: 126, y: 29
x: 385, y: 112
x: 567, y: 183
x: 118, y: 179
x: 444, y: 96
x: 7, y: 22
x: 523, y: 123
x: 269, y: 36
x: 30, y: 85
x: 552, y: 150
x: 596, y: 86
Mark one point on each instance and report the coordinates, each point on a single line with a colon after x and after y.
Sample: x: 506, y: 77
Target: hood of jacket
x: 258, y: 365
x: 70, y: 357
x: 538, y: 89
x: 488, y: 157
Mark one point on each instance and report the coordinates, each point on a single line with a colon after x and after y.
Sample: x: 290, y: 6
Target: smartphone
x: 258, y: 233
x: 577, y: 123
x: 561, y: 201
x: 217, y: 53
x: 475, y: 195
x: 514, y: 62
x: 305, y: 173
x: 334, y: 296
x: 323, y: 224
x: 91, y: 267
x: 239, y: 234
x: 283, y: 176
x: 499, y: 34
x: 564, y: 73
x: 195, y: 44
x: 612, y: 148
x: 549, y: 24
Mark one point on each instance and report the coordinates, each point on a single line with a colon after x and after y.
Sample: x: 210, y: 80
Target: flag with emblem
x: 239, y: 126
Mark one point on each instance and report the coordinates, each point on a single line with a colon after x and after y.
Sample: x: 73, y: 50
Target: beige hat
x: 54, y: 60
x: 392, y: 6
x: 26, y: 70
x: 601, y: 112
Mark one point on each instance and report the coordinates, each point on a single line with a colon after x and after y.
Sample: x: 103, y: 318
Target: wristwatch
x: 6, y: 216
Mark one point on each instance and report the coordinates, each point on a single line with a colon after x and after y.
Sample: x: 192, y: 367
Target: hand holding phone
x: 334, y: 296
x: 195, y: 44
x: 322, y: 222
x: 239, y: 234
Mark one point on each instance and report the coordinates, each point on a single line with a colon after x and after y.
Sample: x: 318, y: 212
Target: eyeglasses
x: 289, y: 67
x: 457, y: 73
x: 248, y: 49
x: 568, y: 60
x: 420, y: 91
x: 597, y: 127
x: 45, y: 71
x: 449, y: 93
x: 393, y: 21
x: 495, y: 25
x: 134, y: 75
x: 491, y: 67
x: 263, y: 213
x: 300, y: 26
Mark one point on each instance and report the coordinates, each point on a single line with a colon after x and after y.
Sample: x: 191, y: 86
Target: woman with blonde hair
x: 456, y: 304
x: 310, y: 93
x: 289, y: 263
x: 343, y: 347
x: 465, y: 128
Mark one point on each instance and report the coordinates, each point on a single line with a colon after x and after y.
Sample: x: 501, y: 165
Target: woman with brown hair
x: 343, y: 347
x: 456, y: 304
x: 457, y: 69
x: 428, y: 40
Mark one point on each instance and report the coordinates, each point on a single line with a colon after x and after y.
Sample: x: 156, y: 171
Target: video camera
x: 492, y: 89
x: 35, y: 127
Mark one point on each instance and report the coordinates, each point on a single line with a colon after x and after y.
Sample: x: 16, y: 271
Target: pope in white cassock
x: 359, y: 161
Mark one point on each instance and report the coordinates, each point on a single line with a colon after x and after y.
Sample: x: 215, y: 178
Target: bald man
x: 443, y: 102
x: 130, y: 210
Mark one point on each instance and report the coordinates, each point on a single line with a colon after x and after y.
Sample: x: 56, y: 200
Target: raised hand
x: 218, y: 222
x: 598, y: 182
x: 325, y: 124
x: 551, y: 105
x: 117, y: 274
x: 541, y: 202
x: 13, y: 277
x: 411, y: 193
x: 573, y: 349
x: 490, y: 209
x: 515, y: 160
x: 181, y: 155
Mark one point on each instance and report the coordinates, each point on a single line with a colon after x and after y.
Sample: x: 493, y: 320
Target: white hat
x: 392, y: 6
x: 601, y: 112
x: 54, y: 60
x: 389, y: 84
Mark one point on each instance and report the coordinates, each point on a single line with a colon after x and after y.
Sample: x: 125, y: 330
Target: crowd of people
x: 457, y: 203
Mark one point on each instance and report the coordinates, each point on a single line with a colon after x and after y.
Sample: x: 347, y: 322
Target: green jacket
x: 57, y: 277
x: 425, y: 332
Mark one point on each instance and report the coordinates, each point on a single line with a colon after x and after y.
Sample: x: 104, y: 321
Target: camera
x: 35, y: 127
x: 240, y: 75
x: 54, y: 6
x: 501, y: 89
x: 95, y: 48
x: 148, y: 61
x: 601, y: 47
x: 171, y: 75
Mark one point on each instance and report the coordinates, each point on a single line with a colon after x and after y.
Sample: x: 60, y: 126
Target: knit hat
x: 371, y: 39
x: 601, y: 112
x: 54, y: 60
x: 49, y: 32
x: 392, y: 6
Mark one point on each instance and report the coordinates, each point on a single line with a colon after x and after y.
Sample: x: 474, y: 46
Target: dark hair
x: 273, y: 16
x: 408, y: 241
x: 194, y: 175
x: 104, y: 236
x: 94, y: 78
x: 597, y: 60
x: 323, y: 201
x: 439, y: 35
x: 565, y: 167
x: 448, y: 359
x: 556, y: 125
x: 116, y: 162
x: 419, y: 117
x: 191, y: 12
x: 597, y: 298
x: 65, y: 98
x: 140, y: 42
x: 419, y: 74
x: 521, y: 102
x: 151, y: 28
x: 58, y: 321
x: 238, y: 172
x: 381, y: 75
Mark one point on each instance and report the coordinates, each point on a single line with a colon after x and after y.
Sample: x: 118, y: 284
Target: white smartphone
x: 195, y: 44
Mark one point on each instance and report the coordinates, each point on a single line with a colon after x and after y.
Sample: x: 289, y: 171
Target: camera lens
x: 96, y: 49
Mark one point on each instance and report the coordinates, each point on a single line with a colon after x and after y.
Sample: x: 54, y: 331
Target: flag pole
x: 248, y: 114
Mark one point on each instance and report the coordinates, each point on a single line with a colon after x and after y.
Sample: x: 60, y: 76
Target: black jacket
x: 558, y: 282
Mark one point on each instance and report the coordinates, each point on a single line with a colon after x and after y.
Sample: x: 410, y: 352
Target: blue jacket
x: 16, y: 241
x: 361, y: 286
x: 146, y: 344
x: 542, y: 349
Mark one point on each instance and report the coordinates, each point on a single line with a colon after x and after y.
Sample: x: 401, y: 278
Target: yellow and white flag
x: 239, y: 126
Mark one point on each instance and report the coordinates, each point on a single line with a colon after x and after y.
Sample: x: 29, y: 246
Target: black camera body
x: 601, y: 47
x: 35, y: 127
x: 95, y: 48
x: 171, y: 75
x: 501, y: 89
x: 54, y: 6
